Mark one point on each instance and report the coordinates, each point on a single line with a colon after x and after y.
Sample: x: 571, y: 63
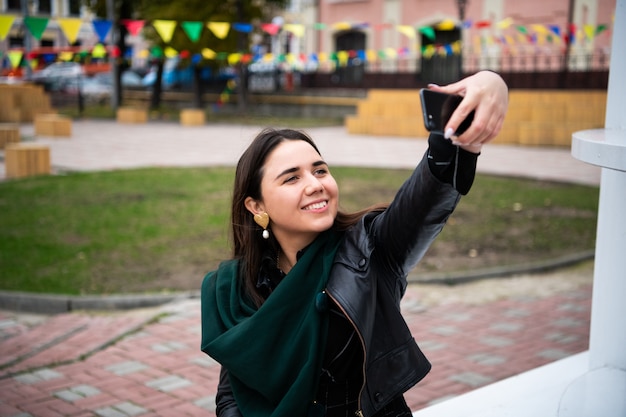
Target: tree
x: 203, y: 11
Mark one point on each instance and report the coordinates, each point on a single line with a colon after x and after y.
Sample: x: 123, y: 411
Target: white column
x: 602, y: 390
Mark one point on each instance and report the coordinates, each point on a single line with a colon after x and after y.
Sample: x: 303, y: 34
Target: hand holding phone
x: 437, y: 108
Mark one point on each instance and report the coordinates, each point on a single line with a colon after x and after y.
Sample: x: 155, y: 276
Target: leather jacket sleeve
x: 224, y: 400
x: 403, y: 233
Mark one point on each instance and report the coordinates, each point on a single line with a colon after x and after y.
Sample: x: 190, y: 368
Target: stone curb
x: 55, y: 304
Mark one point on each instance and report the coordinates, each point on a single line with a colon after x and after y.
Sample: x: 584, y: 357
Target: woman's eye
x: 291, y: 179
x: 321, y: 172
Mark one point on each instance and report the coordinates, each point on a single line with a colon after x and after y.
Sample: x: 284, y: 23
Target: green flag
x: 36, y: 25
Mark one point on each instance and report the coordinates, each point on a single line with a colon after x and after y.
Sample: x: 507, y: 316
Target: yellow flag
x: 70, y: 28
x: 170, y: 52
x: 208, y: 53
x: 371, y: 55
x: 99, y: 51
x: 66, y: 56
x: 540, y: 29
x: 6, y: 22
x: 406, y: 30
x: 590, y: 31
x: 391, y: 53
x: 343, y: 56
x: 219, y: 29
x: 15, y: 57
x: 322, y: 57
x: 144, y: 53
x: 446, y: 25
x: 297, y: 30
x: 165, y: 29
x: 234, y: 58
x: 268, y: 57
x: 504, y: 24
x: 342, y: 26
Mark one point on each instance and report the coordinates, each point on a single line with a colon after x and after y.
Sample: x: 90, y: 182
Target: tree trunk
x: 155, y: 101
x: 197, y: 82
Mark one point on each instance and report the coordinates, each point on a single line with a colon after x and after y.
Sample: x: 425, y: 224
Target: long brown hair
x: 248, y: 245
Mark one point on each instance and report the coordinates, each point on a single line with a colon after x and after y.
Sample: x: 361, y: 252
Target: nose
x: 314, y: 185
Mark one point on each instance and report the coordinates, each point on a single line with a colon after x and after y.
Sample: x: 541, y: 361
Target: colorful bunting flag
x: 219, y: 29
x: 270, y: 28
x: 243, y: 27
x: 36, y: 25
x: 134, y: 26
x: 165, y: 29
x: 193, y: 30
x: 15, y: 57
x: 102, y: 28
x: 406, y: 30
x: 297, y: 30
x: 70, y: 28
x: 6, y: 21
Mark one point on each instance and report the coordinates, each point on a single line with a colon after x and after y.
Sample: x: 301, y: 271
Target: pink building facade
x: 450, y: 37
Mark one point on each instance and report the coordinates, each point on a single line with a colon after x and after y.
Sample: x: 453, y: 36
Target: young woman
x: 305, y: 319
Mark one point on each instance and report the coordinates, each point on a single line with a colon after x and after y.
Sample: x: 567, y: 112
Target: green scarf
x: 273, y: 354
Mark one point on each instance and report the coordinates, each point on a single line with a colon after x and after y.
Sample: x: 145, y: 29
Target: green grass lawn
x: 153, y: 230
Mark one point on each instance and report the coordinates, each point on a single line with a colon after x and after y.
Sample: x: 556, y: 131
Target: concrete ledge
x: 56, y: 304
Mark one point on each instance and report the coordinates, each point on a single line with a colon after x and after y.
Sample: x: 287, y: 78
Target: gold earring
x: 263, y: 220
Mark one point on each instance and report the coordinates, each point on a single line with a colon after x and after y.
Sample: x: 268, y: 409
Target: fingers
x: 486, y: 94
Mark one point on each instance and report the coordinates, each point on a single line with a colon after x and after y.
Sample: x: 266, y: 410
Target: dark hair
x: 248, y: 245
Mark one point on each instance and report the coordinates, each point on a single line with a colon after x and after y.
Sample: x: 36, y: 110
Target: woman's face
x: 298, y: 193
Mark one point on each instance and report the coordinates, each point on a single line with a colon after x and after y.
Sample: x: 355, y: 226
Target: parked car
x: 55, y: 75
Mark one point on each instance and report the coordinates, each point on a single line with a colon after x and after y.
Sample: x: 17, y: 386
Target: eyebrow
x: 296, y: 169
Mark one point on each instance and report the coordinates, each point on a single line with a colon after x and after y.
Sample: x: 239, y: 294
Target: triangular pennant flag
x: 99, y: 51
x: 193, y: 30
x: 102, y: 28
x: 406, y: 30
x: 428, y: 32
x: 70, y: 28
x: 342, y: 26
x: 36, y: 25
x: 296, y: 29
x: 144, y: 54
x: 600, y: 29
x: 165, y: 29
x: 134, y: 26
x: 233, y: 59
x: 66, y: 56
x: 540, y: 29
x: 208, y: 53
x: 243, y: 27
x: 170, y: 52
x: 504, y: 24
x: 342, y: 57
x: 15, y: 57
x: 319, y: 26
x: 219, y: 29
x: 371, y: 55
x: 446, y: 25
x: 270, y: 28
x: 6, y: 22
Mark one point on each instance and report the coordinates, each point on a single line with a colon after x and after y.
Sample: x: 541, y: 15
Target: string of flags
x: 514, y: 35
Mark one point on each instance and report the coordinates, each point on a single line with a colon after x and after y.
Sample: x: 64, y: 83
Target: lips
x: 316, y: 206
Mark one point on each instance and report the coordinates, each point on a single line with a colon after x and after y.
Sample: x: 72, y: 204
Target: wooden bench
x: 132, y: 115
x: 9, y: 133
x: 192, y: 117
x: 53, y: 125
x: 26, y: 159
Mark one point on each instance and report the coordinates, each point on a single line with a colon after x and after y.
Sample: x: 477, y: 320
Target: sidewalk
x: 147, y: 362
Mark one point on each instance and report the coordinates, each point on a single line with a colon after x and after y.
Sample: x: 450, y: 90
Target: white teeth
x: 316, y: 206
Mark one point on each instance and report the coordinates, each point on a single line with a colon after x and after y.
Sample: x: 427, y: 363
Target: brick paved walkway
x: 148, y: 362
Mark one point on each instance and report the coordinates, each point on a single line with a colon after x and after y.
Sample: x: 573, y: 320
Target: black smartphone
x: 437, y: 108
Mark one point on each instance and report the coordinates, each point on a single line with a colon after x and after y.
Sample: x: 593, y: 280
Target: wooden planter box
x: 53, y: 125
x: 131, y: 115
x: 192, y: 117
x: 26, y: 159
x: 9, y: 133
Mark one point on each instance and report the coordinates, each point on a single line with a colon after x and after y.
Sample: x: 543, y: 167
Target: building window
x: 14, y: 5
x: 74, y: 7
x: 353, y: 72
x: 45, y: 7
x: 442, y: 68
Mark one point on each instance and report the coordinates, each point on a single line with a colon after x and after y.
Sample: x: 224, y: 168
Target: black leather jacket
x: 368, y: 281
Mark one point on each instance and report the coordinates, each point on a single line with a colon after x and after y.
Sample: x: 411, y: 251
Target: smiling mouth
x: 316, y: 206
